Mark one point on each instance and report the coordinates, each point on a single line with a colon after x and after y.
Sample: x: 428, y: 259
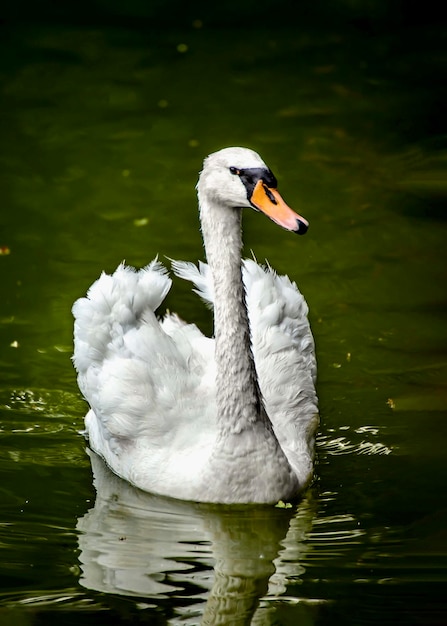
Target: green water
x: 104, y: 124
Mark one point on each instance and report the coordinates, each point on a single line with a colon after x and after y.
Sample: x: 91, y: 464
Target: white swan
x: 230, y: 419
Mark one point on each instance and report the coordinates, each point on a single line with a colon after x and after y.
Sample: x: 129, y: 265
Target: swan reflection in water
x: 229, y: 563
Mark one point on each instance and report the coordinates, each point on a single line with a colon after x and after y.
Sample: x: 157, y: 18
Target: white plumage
x: 230, y: 419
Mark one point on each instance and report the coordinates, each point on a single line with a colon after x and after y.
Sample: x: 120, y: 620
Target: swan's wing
x: 148, y: 383
x: 114, y: 305
x: 200, y: 276
x: 279, y: 316
x: 284, y: 353
x: 274, y: 302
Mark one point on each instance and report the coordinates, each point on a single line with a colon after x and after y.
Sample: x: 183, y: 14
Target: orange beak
x: 269, y: 201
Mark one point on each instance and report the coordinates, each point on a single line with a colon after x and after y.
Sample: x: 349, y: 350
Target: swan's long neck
x: 238, y: 398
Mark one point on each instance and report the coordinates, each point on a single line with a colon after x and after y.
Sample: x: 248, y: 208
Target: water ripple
x: 334, y: 443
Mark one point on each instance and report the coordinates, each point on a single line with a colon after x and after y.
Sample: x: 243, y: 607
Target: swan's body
x: 230, y: 419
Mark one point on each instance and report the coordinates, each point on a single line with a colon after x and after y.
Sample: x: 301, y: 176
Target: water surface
x: 104, y: 124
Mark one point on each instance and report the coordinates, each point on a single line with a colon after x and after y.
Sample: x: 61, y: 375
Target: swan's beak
x: 269, y: 201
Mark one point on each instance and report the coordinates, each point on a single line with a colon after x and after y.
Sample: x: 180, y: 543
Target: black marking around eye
x: 252, y: 175
x: 234, y: 171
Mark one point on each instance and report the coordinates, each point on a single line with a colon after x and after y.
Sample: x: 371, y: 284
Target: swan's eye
x: 234, y: 171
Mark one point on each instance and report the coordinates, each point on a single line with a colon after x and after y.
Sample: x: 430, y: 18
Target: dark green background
x: 107, y: 111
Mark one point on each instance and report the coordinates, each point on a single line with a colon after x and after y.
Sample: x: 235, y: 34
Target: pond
x: 105, y: 122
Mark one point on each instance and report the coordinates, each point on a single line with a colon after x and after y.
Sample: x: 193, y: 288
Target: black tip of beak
x: 301, y: 227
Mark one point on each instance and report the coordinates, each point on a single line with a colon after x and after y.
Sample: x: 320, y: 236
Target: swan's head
x: 239, y: 178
